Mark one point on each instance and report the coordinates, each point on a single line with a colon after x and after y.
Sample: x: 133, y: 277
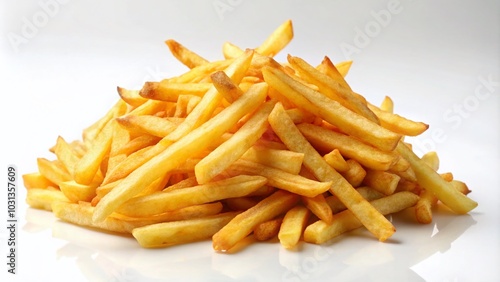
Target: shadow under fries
x: 355, y: 256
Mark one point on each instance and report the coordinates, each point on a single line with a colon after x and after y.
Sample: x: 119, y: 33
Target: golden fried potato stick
x: 81, y: 214
x: 131, y: 97
x: 76, y: 192
x: 190, y: 212
x: 328, y: 68
x: 290, y: 135
x: 331, y: 111
x: 348, y: 146
x: 65, y: 153
x: 87, y: 167
x: 355, y: 174
x: 320, y: 232
x: 91, y: 132
x: 278, y: 39
x: 344, y: 67
x: 160, y: 202
x: 170, y: 91
x: 273, y: 44
x: 423, y: 208
x: 44, y: 198
x: 136, y: 144
x: 382, y: 181
x: 231, y: 51
x: 244, y: 223
x: 281, y: 179
x: 293, y: 225
x: 332, y: 89
x: 120, y: 137
x: 387, y: 105
x: 231, y: 150
x: 177, y: 153
x: 54, y: 171
x: 319, y: 207
x: 36, y: 180
x: 150, y: 107
x: 187, y: 57
x: 226, y: 86
x: 336, y: 160
x: 200, y: 73
x: 432, y: 181
x: 147, y: 124
x: 285, y: 160
x: 397, y: 123
x: 267, y: 230
x: 181, y: 231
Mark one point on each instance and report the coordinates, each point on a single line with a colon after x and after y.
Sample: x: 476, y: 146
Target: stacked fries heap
x: 242, y: 146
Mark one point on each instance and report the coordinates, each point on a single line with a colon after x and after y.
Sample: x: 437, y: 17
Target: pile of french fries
x: 244, y: 146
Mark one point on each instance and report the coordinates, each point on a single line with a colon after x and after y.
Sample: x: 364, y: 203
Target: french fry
x: 387, y: 105
x: 348, y: 146
x: 81, y: 214
x: 430, y: 180
x: 319, y: 207
x: 91, y: 132
x: 278, y: 39
x: 160, y: 202
x: 184, y: 55
x: 320, y: 232
x: 54, y: 171
x: 44, y: 198
x: 147, y: 124
x: 190, y: 212
x: 36, y: 180
x: 243, y: 224
x: 423, y: 208
x: 137, y: 143
x: 281, y: 179
x: 366, y: 213
x: 170, y: 91
x: 344, y: 67
x: 355, y: 174
x: 65, y: 153
x: 382, y: 181
x: 397, y: 123
x: 293, y: 225
x: 336, y: 160
x: 328, y: 68
x: 225, y: 86
x: 182, y: 231
x: 76, y: 192
x: 285, y: 160
x: 131, y: 97
x: 87, y: 167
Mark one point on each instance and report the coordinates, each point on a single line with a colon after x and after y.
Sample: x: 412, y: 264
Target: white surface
x: 431, y: 57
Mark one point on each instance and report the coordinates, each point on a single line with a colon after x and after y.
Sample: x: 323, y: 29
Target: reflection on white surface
x: 356, y: 256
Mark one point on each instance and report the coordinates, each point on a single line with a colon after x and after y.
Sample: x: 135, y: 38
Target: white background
x: 439, y: 60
